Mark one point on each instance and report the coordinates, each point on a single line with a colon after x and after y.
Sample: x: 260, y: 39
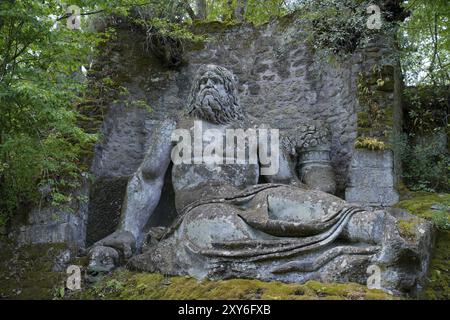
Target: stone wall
x: 48, y: 224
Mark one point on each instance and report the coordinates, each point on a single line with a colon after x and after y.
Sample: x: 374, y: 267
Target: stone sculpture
x: 234, y: 221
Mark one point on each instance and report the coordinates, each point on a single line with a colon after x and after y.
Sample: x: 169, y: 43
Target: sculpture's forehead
x: 210, y: 74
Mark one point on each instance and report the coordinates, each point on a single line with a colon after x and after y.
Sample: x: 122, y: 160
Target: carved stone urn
x: 315, y: 169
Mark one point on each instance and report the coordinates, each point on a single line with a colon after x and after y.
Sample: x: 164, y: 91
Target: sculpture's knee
x: 366, y: 226
x: 215, y: 223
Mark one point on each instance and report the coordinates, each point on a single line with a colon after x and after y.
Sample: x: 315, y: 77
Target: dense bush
x: 424, y: 151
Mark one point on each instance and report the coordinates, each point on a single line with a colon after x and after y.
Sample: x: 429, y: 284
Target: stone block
x: 372, y: 196
x: 367, y: 158
x: 380, y: 177
x: 371, y: 179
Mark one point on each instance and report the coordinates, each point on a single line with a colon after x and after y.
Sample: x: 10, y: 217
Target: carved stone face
x: 214, y: 96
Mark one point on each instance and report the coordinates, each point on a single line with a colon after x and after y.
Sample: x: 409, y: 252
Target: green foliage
x: 426, y: 165
x: 425, y: 40
x: 338, y: 27
x: 254, y: 11
x: 41, y: 84
x: 442, y: 217
x: 427, y: 109
x: 426, y: 162
x: 370, y: 144
x: 166, y: 40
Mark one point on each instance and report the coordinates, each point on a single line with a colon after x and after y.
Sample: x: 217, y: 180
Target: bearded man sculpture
x: 232, y: 225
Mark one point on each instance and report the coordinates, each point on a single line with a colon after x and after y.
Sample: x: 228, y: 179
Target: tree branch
x: 68, y: 15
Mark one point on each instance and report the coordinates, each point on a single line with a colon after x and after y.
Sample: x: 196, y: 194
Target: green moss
x: 439, y: 277
x: 130, y: 286
x: 421, y: 204
x: 26, y: 273
x: 363, y: 120
x: 408, y: 228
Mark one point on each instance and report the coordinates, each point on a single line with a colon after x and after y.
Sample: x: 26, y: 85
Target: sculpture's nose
x: 209, y: 83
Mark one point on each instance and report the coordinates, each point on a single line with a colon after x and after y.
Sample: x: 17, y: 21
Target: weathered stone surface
x: 105, y: 206
x: 228, y: 225
x: 62, y: 260
x: 102, y: 259
x: 372, y: 179
x: 206, y: 245
x: 122, y: 241
x: 374, y: 197
x: 55, y: 225
x: 281, y: 81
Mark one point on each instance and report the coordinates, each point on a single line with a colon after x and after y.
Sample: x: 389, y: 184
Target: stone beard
x: 214, y: 96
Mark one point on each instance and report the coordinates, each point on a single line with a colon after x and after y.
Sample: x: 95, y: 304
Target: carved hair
x: 224, y: 107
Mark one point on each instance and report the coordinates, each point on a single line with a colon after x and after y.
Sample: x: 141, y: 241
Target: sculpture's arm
x: 286, y: 171
x: 276, y: 156
x: 145, y: 186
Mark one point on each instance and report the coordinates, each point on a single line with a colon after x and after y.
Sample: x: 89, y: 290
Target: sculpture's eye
x: 216, y: 81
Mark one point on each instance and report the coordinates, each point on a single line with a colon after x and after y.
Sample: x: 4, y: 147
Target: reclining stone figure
x: 235, y: 222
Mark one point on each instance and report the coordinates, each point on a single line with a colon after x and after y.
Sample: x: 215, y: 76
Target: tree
x: 425, y: 40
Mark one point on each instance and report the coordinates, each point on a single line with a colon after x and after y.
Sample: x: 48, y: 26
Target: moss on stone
x: 376, y: 120
x: 422, y: 204
x: 408, y: 228
x: 128, y: 285
x: 363, y: 120
x: 370, y: 144
x: 439, y: 276
x: 26, y: 273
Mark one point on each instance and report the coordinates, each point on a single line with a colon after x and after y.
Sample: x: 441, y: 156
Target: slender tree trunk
x: 201, y: 9
x: 241, y: 9
x: 230, y: 16
x: 189, y: 10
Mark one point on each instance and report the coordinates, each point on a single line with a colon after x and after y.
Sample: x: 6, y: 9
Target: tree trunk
x: 201, y: 9
x: 189, y: 10
x: 241, y: 8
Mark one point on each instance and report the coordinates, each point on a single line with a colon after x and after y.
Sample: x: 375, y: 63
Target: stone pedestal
x: 316, y: 170
x: 371, y: 179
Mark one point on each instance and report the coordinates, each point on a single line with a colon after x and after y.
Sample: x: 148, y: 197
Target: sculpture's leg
x: 366, y: 226
x: 214, y: 223
x: 142, y: 197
